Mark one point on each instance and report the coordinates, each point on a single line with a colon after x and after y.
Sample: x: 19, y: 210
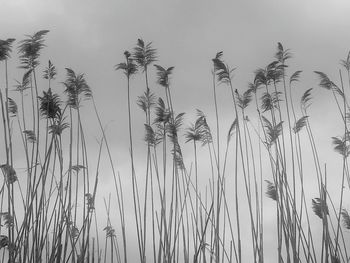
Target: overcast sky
x: 90, y: 37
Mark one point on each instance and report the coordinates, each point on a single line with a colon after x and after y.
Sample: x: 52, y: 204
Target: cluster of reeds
x: 182, y: 211
x: 40, y: 218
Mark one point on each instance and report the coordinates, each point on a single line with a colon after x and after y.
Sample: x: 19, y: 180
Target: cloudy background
x: 90, y: 37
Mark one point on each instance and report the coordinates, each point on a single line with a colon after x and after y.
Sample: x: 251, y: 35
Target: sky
x: 91, y: 36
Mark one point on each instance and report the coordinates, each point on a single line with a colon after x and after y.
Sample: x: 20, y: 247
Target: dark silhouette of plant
x: 223, y: 73
x: 163, y: 75
x: 253, y: 86
x: 244, y: 99
x: 110, y: 232
x: 270, y: 100
x: 8, y: 218
x: 21, y: 87
x: 346, y: 218
x: 50, y: 73
x: 9, y: 174
x: 50, y: 105
x: 217, y: 64
x: 144, y: 55
x: 217, y: 61
x: 163, y: 79
x: 12, y: 107
x: 319, y: 207
x: 264, y: 76
x: 76, y: 88
x: 151, y: 137
x: 341, y: 145
x: 299, y: 124
x: 146, y: 101
x: 277, y: 70
x: 204, y: 129
x: 272, y: 131
x: 162, y: 113
x: 232, y: 130
x: 59, y: 126
x: 172, y: 128
x: 6, y: 48
x: 29, y: 49
x: 193, y: 133
x: 174, y: 125
x: 325, y: 82
x: 129, y: 67
x: 4, y: 241
x: 294, y: 77
x: 30, y: 136
x: 306, y: 97
x: 282, y: 55
x: 25, y: 83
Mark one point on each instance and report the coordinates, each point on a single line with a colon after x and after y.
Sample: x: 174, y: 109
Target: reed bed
x: 238, y: 193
